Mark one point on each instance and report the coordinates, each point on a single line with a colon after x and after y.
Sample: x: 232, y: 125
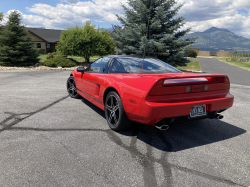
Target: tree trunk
x: 86, y: 60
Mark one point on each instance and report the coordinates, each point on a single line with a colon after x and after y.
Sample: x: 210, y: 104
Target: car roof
x: 127, y: 56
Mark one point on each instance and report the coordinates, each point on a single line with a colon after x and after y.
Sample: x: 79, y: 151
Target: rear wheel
x: 115, y: 114
x: 71, y: 88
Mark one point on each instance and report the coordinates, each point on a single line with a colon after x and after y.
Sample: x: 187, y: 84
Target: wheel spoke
x: 70, y: 83
x: 110, y: 117
x: 116, y: 108
x: 109, y: 108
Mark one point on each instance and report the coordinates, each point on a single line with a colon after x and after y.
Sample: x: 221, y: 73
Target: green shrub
x: 192, y: 53
x: 60, y: 61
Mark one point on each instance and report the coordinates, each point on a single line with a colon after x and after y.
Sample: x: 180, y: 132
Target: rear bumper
x: 152, y: 112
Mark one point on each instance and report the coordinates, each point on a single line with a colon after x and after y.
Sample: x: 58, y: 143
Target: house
x: 44, y: 39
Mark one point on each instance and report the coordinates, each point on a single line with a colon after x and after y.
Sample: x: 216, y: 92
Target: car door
x: 91, y: 79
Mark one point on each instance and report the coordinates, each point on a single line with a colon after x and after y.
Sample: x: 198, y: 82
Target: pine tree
x: 16, y: 49
x: 1, y: 19
x: 153, y: 23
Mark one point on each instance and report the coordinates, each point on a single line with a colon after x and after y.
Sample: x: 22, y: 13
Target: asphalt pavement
x: 235, y: 74
x: 50, y: 139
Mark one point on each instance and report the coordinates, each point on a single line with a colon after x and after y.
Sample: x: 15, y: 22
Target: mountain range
x: 216, y: 39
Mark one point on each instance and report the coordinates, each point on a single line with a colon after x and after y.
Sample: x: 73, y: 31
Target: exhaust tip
x: 218, y: 116
x: 162, y: 127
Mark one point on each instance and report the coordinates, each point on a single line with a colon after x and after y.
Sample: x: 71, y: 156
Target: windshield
x: 134, y: 65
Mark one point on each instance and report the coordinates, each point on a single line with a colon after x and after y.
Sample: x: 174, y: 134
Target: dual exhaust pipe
x: 163, y: 126
x: 218, y: 116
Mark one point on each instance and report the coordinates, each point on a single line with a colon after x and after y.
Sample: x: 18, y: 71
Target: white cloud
x: 68, y: 15
x: 199, y: 14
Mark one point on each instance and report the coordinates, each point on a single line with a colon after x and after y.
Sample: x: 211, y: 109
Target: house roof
x: 49, y: 35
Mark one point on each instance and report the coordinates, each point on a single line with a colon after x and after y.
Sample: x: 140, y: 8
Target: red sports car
x: 149, y: 91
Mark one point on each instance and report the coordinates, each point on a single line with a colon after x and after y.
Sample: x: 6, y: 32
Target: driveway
x: 49, y: 139
x: 235, y: 74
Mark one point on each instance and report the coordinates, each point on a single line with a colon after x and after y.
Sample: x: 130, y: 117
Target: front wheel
x: 115, y: 114
x: 71, y: 88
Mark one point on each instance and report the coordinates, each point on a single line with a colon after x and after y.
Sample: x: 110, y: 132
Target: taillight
x: 226, y: 80
x: 188, y: 85
x: 215, y: 79
x: 171, y: 82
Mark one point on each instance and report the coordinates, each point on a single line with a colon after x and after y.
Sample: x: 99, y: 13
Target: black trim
x: 181, y: 119
x: 93, y: 82
x: 90, y: 96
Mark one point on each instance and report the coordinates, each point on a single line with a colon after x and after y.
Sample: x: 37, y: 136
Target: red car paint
x: 146, y: 102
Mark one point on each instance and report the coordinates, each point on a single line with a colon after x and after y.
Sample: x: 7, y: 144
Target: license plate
x: 199, y: 110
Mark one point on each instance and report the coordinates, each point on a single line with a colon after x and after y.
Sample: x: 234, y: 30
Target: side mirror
x: 80, y: 69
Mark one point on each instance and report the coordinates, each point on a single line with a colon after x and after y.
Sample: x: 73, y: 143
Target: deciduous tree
x: 16, y: 49
x: 85, y: 42
x: 153, y: 26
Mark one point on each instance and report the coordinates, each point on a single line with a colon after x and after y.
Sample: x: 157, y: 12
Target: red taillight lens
x: 226, y: 80
x: 215, y: 79
x: 188, y: 85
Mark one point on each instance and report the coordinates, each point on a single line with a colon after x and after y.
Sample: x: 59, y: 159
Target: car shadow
x: 180, y: 136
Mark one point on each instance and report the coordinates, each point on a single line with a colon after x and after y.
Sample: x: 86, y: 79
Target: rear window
x: 134, y: 65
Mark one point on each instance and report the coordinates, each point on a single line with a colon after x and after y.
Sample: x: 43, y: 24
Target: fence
x: 240, y: 55
x: 204, y: 53
x: 223, y: 54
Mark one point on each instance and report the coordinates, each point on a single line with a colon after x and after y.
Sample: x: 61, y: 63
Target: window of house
x: 38, y: 45
x: 48, y: 46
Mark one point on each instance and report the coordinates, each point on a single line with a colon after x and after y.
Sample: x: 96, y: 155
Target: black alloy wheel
x: 115, y: 114
x: 71, y: 88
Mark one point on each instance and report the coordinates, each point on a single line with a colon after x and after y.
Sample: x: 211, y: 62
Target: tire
x: 115, y: 114
x: 71, y: 88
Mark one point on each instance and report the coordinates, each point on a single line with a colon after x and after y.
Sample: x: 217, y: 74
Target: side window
x: 117, y: 67
x: 98, y: 66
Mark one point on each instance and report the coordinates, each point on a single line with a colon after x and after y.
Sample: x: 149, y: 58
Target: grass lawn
x: 81, y: 59
x: 42, y: 58
x: 193, y: 65
x: 243, y: 65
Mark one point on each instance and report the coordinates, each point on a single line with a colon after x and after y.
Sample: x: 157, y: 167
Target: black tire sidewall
x: 77, y: 95
x: 123, y: 121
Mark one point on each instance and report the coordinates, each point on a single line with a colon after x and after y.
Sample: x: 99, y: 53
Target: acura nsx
x: 149, y: 91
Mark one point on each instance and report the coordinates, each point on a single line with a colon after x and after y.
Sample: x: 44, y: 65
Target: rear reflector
x: 188, y: 89
x: 226, y: 80
x: 206, y: 88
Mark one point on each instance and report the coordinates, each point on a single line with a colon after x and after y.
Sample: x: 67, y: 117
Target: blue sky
x: 21, y: 5
x: 60, y: 14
